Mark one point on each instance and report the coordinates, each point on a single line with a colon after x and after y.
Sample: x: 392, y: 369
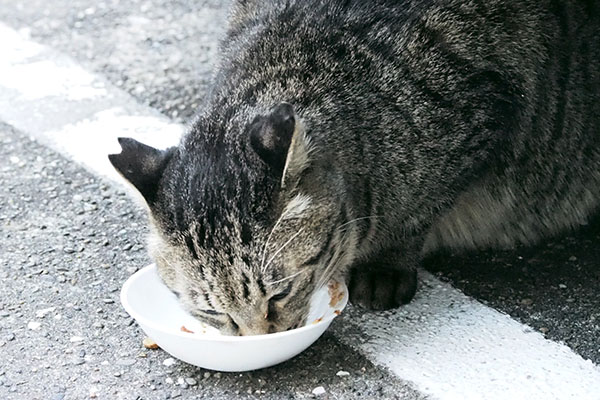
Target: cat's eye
x: 282, y: 295
x: 210, y: 312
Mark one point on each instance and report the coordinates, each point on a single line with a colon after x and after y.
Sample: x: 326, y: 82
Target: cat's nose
x: 248, y: 327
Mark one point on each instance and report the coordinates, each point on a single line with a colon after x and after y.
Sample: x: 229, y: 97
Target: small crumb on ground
x: 169, y: 362
x: 191, y: 381
x: 149, y: 343
x: 318, y: 391
x: 34, y: 325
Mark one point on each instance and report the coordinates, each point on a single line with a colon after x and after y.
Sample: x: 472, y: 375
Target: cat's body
x: 415, y: 125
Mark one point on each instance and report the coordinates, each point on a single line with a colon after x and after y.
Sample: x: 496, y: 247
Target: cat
x: 346, y: 139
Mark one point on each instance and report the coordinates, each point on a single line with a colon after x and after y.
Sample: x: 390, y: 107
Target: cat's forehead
x: 216, y: 195
x: 221, y: 204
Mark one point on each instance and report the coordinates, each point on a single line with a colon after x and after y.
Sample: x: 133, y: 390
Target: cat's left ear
x: 280, y: 140
x: 141, y: 165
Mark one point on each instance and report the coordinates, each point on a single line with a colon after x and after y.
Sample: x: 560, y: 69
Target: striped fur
x: 418, y: 125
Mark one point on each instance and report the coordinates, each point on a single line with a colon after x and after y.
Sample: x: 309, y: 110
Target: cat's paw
x: 381, y: 288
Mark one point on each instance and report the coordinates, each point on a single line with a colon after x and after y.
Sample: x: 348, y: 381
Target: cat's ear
x: 279, y: 139
x: 298, y: 156
x: 271, y: 135
x: 141, y: 165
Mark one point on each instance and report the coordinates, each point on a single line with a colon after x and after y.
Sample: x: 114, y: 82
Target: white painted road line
x: 64, y: 106
x: 453, y: 347
x: 447, y: 344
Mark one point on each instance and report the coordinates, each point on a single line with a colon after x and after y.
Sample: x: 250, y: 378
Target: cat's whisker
x: 281, y: 248
x: 165, y: 260
x: 284, y: 279
x: 330, y: 269
x: 358, y: 219
x: 264, y: 252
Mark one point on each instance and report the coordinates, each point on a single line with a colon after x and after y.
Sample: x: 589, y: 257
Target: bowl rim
x: 222, y: 338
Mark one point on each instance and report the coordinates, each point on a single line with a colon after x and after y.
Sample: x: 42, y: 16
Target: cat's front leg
x: 385, y: 281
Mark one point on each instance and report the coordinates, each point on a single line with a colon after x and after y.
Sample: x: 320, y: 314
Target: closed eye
x: 210, y: 317
x: 282, y: 295
x: 210, y: 312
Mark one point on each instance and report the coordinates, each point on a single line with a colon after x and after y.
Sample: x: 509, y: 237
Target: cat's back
x: 532, y: 65
x: 548, y: 177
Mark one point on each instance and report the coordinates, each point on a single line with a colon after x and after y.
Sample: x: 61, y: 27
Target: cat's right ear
x: 280, y: 140
x: 141, y: 165
x: 271, y: 135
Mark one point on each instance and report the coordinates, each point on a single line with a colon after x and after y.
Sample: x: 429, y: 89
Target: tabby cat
x: 346, y: 138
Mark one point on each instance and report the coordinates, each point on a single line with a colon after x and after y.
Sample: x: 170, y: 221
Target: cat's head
x: 245, y: 226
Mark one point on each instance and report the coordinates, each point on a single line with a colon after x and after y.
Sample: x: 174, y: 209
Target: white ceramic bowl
x: 157, y: 310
